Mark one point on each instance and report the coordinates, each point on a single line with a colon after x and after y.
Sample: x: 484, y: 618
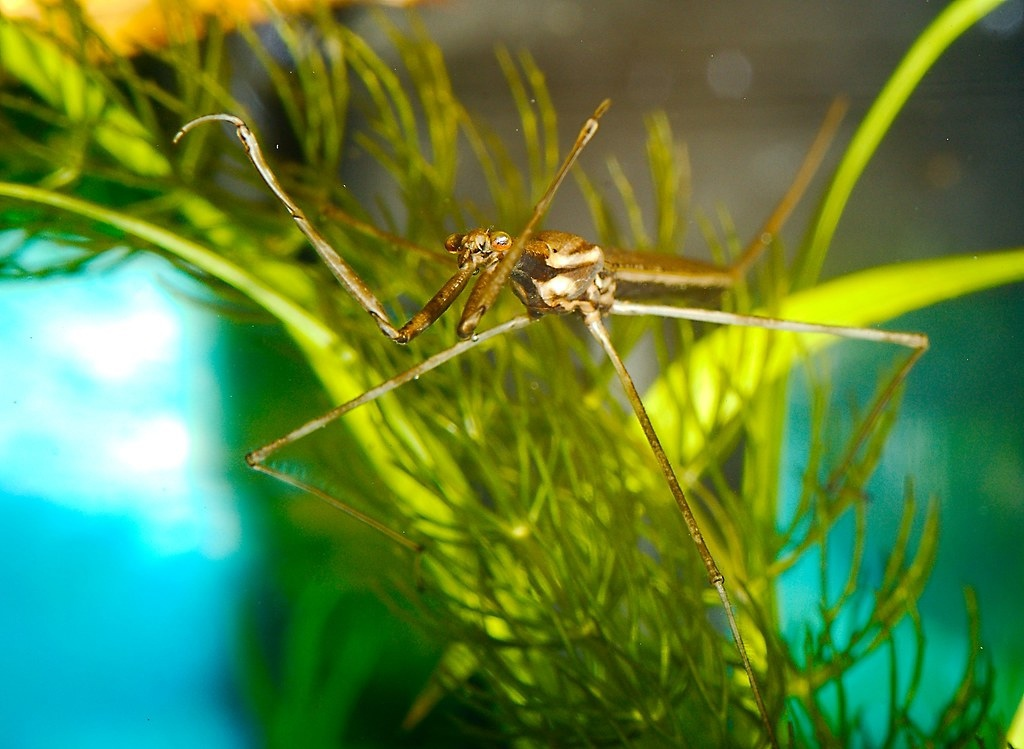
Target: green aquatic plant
x: 571, y: 606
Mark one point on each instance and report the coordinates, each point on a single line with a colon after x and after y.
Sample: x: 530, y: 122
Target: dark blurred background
x: 119, y: 482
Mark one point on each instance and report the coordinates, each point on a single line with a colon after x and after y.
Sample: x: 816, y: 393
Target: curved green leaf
x: 927, y: 48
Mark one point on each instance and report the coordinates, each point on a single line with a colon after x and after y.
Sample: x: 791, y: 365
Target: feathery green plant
x: 573, y: 607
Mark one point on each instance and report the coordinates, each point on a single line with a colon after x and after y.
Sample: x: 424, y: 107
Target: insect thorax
x: 560, y: 273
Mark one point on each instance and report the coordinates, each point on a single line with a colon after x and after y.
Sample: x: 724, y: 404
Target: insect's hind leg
x: 808, y: 168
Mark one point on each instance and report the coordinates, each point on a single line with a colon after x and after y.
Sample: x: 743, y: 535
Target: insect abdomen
x: 556, y: 272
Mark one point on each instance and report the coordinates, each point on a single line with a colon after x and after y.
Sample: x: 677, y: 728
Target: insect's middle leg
x: 257, y: 458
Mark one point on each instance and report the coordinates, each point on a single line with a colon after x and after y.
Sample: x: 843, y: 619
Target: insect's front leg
x: 493, y: 279
x: 345, y: 274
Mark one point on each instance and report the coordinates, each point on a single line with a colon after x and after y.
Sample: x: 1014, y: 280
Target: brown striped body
x: 557, y: 273
x: 560, y: 272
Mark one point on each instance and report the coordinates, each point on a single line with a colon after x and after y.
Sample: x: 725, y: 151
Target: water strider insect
x: 553, y: 272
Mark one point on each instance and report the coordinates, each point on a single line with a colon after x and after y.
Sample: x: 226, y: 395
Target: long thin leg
x: 917, y: 342
x: 348, y: 278
x: 257, y: 458
x: 493, y: 280
x: 785, y: 206
x: 715, y: 577
x: 698, y: 314
x: 671, y: 273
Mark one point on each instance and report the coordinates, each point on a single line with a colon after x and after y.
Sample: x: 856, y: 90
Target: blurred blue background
x: 121, y: 546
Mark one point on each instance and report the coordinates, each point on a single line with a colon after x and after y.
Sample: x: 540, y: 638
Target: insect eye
x: 501, y: 240
x: 453, y: 243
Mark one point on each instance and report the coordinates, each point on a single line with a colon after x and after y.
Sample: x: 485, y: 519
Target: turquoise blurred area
x: 120, y: 536
x: 146, y: 588
x: 958, y: 441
